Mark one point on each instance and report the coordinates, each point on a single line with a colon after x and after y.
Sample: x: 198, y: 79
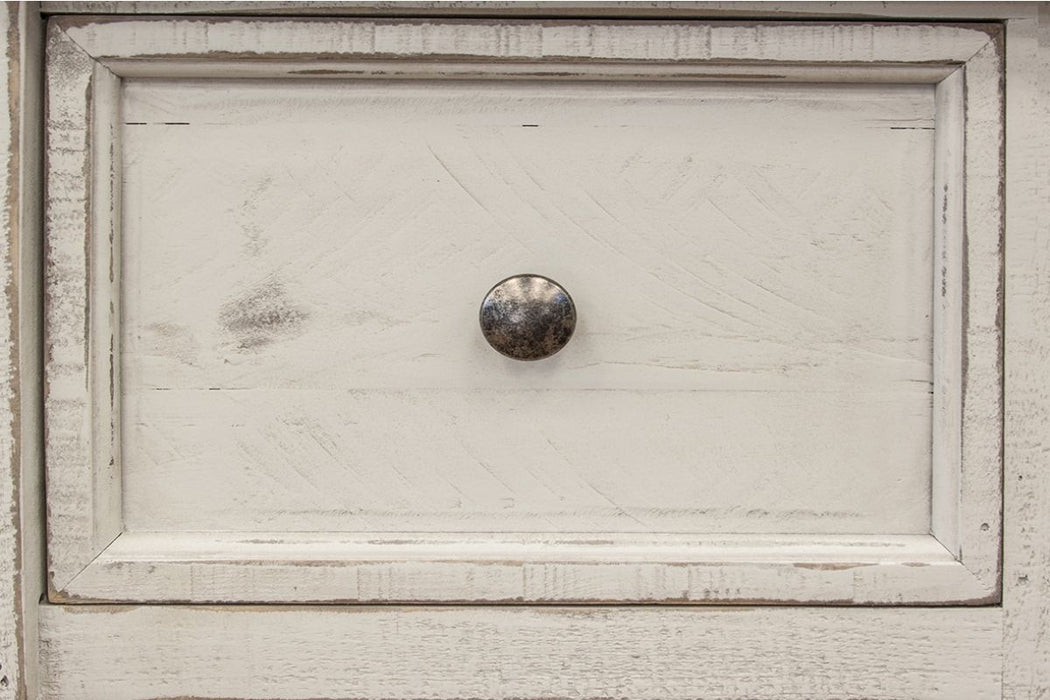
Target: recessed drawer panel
x: 303, y: 264
x: 783, y: 256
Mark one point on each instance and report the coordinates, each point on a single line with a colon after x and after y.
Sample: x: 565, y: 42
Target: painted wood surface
x: 1026, y: 555
x: 422, y: 652
x: 490, y: 567
x: 11, y: 632
x: 752, y: 265
x: 1024, y: 663
x: 21, y: 481
x: 81, y: 464
x: 662, y: 9
x: 496, y: 476
x: 981, y: 395
x: 111, y: 40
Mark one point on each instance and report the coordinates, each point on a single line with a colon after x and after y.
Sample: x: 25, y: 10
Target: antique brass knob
x: 527, y: 317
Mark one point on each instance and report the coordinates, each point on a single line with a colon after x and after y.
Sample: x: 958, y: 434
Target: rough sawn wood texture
x: 183, y: 651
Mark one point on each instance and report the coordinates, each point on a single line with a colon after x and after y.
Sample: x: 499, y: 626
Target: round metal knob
x: 528, y: 317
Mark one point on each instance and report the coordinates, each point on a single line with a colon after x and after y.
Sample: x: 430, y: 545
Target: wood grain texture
x: 31, y: 320
x: 1026, y: 561
x: 885, y: 671
x: 980, y: 479
x: 270, y: 314
x: 82, y: 466
x: 554, y: 653
x: 949, y: 249
x: 11, y: 630
x: 121, y: 38
x: 736, y: 317
x: 528, y: 461
x: 665, y: 9
x: 21, y: 483
x: 492, y: 567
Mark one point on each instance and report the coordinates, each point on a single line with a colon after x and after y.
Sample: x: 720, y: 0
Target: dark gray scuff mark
x: 261, y: 316
x: 171, y: 340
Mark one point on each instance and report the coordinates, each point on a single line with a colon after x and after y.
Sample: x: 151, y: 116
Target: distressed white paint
x: 123, y: 38
x: 949, y: 217
x: 659, y: 9
x: 82, y: 470
x: 11, y: 648
x: 526, y: 460
x: 969, y: 222
x: 1026, y: 531
x: 21, y: 484
x: 213, y: 567
x: 980, y: 480
x: 165, y: 649
x: 300, y: 347
x: 846, y: 344
x: 422, y: 652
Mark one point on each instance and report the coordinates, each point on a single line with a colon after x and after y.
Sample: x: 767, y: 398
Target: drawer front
x: 269, y: 241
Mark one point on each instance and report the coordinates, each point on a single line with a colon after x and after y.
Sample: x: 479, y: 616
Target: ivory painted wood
x: 82, y: 468
x: 111, y: 40
x: 846, y: 331
x: 183, y: 651
x: 310, y: 460
x: 11, y: 641
x: 21, y: 484
x: 422, y: 652
x: 491, y: 567
x: 624, y: 9
x: 980, y: 480
x: 1026, y: 532
x: 11, y: 634
x: 726, y: 308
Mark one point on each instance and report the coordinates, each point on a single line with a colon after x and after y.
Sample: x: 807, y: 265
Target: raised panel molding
x: 93, y: 557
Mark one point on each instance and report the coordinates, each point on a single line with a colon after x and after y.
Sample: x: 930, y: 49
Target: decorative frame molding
x: 92, y: 559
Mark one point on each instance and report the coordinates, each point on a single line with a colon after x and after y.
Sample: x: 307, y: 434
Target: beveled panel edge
x: 335, y: 568
x: 982, y: 398
x: 80, y: 369
x: 117, y: 37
